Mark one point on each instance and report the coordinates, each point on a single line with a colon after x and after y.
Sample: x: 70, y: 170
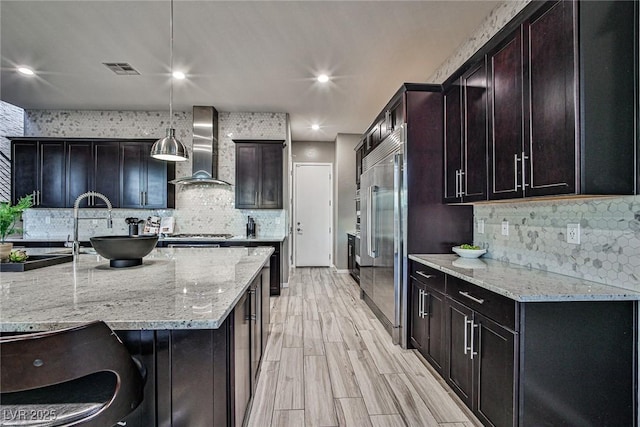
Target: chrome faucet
x: 76, y: 208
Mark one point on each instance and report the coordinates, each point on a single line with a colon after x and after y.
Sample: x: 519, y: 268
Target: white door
x: 313, y: 214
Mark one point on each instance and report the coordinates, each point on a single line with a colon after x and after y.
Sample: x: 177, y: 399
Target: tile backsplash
x: 11, y: 124
x: 609, y: 249
x: 201, y: 208
x: 495, y: 21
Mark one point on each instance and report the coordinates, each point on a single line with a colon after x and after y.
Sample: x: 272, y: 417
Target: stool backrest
x: 37, y: 360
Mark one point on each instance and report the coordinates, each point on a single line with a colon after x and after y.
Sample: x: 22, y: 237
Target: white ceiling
x: 238, y: 55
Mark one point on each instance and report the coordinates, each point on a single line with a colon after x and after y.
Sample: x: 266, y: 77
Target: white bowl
x: 469, y: 253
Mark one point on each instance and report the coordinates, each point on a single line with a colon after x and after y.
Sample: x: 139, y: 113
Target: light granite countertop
x: 521, y: 283
x: 243, y: 239
x: 182, y: 288
x: 260, y: 238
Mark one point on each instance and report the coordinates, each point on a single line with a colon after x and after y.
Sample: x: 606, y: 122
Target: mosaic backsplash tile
x: 609, y: 249
x: 201, y: 208
x: 11, y: 124
x: 610, y: 237
x: 497, y: 19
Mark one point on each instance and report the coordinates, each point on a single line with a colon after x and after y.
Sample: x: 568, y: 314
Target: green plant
x: 10, y: 214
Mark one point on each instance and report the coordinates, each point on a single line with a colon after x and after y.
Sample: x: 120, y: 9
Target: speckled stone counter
x: 523, y: 284
x: 179, y: 288
x: 234, y: 239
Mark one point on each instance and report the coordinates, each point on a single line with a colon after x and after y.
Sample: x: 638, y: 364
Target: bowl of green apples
x: 469, y: 251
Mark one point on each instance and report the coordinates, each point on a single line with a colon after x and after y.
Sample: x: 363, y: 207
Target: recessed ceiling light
x: 179, y: 75
x: 323, y: 78
x: 315, y: 127
x: 26, y: 71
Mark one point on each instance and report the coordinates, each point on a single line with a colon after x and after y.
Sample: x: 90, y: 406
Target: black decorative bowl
x: 124, y: 251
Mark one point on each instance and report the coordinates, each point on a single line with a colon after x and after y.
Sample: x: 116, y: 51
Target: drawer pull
x: 426, y: 276
x: 471, y: 297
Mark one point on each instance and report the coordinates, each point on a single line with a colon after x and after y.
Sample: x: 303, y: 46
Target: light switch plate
x: 505, y: 228
x: 573, y: 234
x: 481, y: 226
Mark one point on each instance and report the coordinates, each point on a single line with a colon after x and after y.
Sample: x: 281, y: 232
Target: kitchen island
x: 196, y: 317
x: 522, y: 346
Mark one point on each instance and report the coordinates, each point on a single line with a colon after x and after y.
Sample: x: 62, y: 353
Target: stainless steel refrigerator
x: 383, y: 231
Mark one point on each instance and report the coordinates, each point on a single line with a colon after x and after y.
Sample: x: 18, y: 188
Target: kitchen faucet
x: 76, y: 208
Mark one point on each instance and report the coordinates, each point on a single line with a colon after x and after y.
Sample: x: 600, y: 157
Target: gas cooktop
x: 200, y: 236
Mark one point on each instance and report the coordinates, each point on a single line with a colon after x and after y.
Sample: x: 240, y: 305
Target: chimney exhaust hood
x: 204, y: 155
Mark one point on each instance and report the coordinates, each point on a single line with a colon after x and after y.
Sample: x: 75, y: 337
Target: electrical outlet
x: 47, y: 220
x: 505, y: 228
x: 573, y: 234
x: 481, y: 226
x: 94, y: 221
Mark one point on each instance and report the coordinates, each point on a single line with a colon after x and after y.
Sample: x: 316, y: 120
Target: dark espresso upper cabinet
x: 506, y: 120
x: 562, y: 98
x: 93, y: 166
x: 550, y: 146
x: 466, y: 137
x: 259, y: 174
x: 57, y: 171
x: 452, y: 142
x: 608, y: 90
x: 106, y: 172
x: 39, y: 169
x: 144, y: 179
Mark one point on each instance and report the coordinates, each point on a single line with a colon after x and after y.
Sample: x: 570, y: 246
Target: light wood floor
x: 329, y: 362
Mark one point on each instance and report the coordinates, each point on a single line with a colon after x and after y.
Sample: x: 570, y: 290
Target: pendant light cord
x: 171, y: 67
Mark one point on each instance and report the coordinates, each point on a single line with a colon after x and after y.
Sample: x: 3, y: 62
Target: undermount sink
x: 124, y: 251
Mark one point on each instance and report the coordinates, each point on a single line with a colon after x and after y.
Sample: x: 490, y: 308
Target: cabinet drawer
x: 428, y: 276
x: 497, y: 307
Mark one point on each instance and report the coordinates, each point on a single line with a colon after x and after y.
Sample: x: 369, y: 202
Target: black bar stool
x: 81, y: 375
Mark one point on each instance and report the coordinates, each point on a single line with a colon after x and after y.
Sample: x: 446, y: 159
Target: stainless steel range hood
x: 204, y: 156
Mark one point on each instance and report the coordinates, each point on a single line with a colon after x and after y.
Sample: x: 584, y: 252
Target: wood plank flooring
x: 329, y: 362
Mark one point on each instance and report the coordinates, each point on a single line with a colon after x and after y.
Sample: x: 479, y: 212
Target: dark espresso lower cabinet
x: 546, y: 363
x: 428, y: 315
x: 201, y: 377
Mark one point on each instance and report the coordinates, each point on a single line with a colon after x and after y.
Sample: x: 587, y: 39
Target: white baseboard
x: 342, y: 271
x: 285, y: 284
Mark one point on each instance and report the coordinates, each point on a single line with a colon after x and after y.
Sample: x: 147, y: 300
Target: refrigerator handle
x: 397, y: 238
x: 369, y: 196
x: 371, y: 227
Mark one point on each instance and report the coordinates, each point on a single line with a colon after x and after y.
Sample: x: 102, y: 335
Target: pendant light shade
x: 170, y: 148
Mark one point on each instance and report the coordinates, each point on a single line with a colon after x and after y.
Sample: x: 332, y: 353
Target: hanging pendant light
x: 170, y: 148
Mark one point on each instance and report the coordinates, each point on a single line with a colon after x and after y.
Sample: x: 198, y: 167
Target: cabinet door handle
x: 456, y: 193
x: 420, y: 302
x: 471, y: 297
x: 516, y: 159
x: 466, y: 335
x: 524, y: 180
x: 34, y: 198
x: 426, y: 276
x: 461, y: 183
x: 471, y: 348
x: 425, y: 304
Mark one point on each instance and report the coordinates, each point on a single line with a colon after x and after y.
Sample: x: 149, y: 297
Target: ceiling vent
x: 122, y: 68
